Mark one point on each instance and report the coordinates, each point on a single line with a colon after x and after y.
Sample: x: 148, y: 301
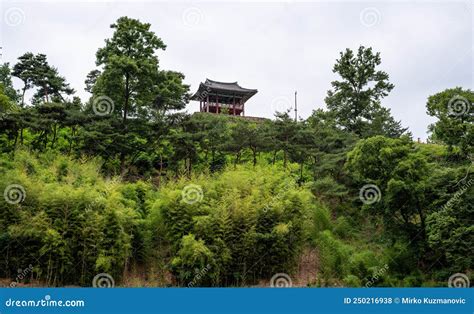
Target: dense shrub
x: 247, y: 224
x: 334, y: 256
x: 70, y: 226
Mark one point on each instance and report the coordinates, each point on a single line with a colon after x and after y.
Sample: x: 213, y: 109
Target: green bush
x: 342, y: 227
x: 352, y: 281
x: 252, y: 221
x: 334, y: 256
x: 321, y: 219
x: 71, y: 224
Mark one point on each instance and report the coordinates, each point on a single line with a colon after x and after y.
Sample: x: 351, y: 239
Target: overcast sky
x: 275, y: 47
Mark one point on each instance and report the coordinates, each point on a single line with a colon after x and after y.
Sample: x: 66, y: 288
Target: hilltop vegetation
x: 127, y: 184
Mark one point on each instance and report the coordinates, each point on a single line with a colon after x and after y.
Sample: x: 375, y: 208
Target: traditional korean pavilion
x: 220, y: 97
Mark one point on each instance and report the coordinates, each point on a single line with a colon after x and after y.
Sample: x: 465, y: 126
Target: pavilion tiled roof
x: 223, y: 89
x: 234, y: 86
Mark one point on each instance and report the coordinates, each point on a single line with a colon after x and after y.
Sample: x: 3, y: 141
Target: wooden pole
x: 207, y: 103
x: 296, y: 108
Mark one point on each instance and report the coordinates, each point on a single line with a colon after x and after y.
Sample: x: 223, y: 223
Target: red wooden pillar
x: 243, y: 107
x: 217, y: 104
x: 233, y: 105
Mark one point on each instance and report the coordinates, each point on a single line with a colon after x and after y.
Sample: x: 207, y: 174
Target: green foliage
x: 194, y: 258
x: 454, y: 110
x: 343, y: 227
x: 333, y: 255
x: 355, y: 100
x: 450, y: 231
x: 421, y: 203
x: 71, y: 225
x: 35, y: 72
x: 249, y: 224
x: 321, y: 219
x: 6, y: 83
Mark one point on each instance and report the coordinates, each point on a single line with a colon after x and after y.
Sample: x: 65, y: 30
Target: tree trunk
x: 23, y: 96
x: 127, y: 98
x: 124, y: 120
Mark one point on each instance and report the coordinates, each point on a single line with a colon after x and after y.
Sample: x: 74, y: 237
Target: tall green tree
x: 355, y: 98
x: 35, y: 72
x: 51, y: 86
x: 329, y: 149
x: 130, y: 67
x: 454, y: 109
x: 402, y: 176
x: 284, y: 131
x: 130, y: 77
x: 6, y: 82
x: 25, y: 68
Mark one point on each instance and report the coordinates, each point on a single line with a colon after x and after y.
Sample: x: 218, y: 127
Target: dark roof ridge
x: 226, y: 83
